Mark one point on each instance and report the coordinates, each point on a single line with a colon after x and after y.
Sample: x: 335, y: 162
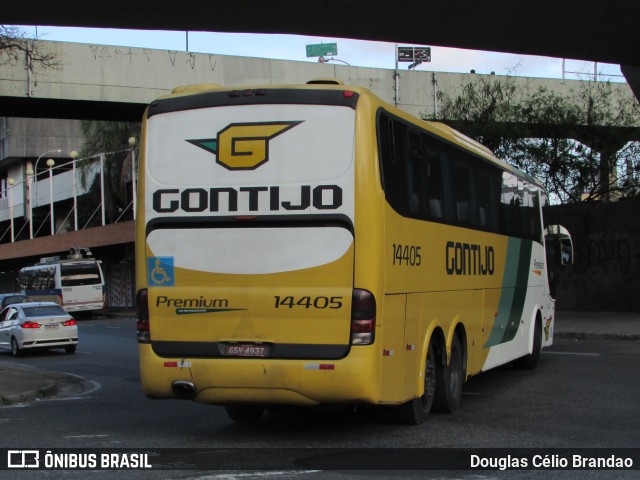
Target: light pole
x: 132, y: 143
x: 11, y: 181
x: 74, y: 155
x: 50, y: 164
x: 102, y: 196
x: 29, y: 173
x: 35, y: 168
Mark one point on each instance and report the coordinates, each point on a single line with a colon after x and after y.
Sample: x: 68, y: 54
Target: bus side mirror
x: 559, y: 244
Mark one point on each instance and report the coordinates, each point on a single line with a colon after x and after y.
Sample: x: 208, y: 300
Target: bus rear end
x: 246, y: 250
x: 82, y: 286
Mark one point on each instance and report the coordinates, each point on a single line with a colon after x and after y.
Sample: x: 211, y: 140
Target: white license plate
x: 51, y: 326
x: 246, y: 350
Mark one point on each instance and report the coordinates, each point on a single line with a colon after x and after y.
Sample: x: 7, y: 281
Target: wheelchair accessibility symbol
x: 160, y: 272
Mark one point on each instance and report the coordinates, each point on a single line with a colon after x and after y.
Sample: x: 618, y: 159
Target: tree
x: 583, y: 145
x: 16, y: 48
x: 111, y: 141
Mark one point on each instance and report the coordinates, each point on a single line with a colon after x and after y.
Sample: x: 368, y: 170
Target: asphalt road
x: 583, y: 394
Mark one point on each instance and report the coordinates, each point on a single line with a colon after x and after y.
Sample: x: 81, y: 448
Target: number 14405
x: 409, y: 255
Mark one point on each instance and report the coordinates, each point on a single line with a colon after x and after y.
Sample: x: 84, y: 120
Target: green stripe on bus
x: 514, y: 292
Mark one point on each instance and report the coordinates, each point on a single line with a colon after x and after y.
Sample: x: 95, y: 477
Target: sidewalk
x: 598, y: 325
x: 19, y: 383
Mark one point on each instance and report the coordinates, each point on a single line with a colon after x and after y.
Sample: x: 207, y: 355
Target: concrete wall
x: 31, y: 137
x: 139, y: 75
x: 606, y: 272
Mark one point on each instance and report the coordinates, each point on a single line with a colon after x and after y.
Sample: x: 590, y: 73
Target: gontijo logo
x: 243, y: 146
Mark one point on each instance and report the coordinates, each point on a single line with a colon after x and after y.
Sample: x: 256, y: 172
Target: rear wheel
x: 245, y: 413
x: 416, y: 411
x: 70, y: 349
x: 16, y: 351
x: 449, y: 380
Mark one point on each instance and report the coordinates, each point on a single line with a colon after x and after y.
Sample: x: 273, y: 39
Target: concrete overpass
x: 109, y: 82
x: 118, y: 82
x: 581, y: 29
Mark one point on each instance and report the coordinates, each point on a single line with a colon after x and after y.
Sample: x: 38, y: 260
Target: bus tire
x: 449, y: 379
x: 531, y: 360
x: 244, y: 413
x: 16, y: 351
x: 416, y: 411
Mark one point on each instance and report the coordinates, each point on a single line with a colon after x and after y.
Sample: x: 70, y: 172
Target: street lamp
x: 35, y: 168
x: 50, y: 164
x: 11, y: 181
x: 74, y: 156
x: 132, y: 143
x: 29, y: 173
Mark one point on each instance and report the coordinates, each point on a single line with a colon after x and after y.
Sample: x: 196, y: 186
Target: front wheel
x: 531, y: 360
x: 416, y: 411
x: 16, y: 351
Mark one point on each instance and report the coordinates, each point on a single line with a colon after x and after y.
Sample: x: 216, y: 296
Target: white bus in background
x: 75, y: 282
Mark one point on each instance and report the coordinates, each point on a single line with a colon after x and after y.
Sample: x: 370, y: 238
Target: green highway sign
x: 322, y: 49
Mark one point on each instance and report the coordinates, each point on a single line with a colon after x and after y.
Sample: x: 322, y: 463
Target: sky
x: 353, y: 52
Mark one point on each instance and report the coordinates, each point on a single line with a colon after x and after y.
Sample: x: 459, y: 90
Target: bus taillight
x: 142, y: 310
x: 363, y: 317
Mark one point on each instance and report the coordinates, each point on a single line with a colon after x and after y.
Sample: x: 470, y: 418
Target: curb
x: 596, y: 336
x: 48, y: 390
x: 53, y: 384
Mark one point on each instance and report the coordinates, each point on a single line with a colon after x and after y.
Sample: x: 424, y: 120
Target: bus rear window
x: 75, y: 275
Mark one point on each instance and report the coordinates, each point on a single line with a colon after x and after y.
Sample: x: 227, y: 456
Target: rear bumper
x: 83, y: 307
x: 353, y: 379
x: 60, y: 337
x: 61, y: 342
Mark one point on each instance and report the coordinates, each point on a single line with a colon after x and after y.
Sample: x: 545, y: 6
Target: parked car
x: 25, y: 326
x: 9, y: 298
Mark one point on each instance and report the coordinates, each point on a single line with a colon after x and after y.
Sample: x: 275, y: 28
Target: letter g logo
x: 244, y: 146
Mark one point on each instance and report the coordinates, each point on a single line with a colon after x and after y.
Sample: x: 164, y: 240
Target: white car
x: 30, y: 325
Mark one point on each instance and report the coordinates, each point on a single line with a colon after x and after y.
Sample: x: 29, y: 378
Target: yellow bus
x: 312, y: 244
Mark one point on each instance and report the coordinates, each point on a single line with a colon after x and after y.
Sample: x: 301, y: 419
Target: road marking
x: 575, y: 353
x: 94, y: 386
x: 86, y: 436
x: 233, y: 476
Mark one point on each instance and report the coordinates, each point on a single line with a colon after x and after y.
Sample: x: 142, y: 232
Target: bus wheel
x: 530, y: 361
x: 449, y: 380
x: 244, y: 413
x: 416, y: 411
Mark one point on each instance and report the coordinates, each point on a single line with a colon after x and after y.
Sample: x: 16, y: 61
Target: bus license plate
x: 246, y: 350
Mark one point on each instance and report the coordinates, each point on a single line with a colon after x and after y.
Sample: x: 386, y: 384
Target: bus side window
x: 393, y: 144
x: 414, y: 174
x: 461, y: 191
x: 487, y: 196
x: 510, y: 205
x: 434, y: 177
